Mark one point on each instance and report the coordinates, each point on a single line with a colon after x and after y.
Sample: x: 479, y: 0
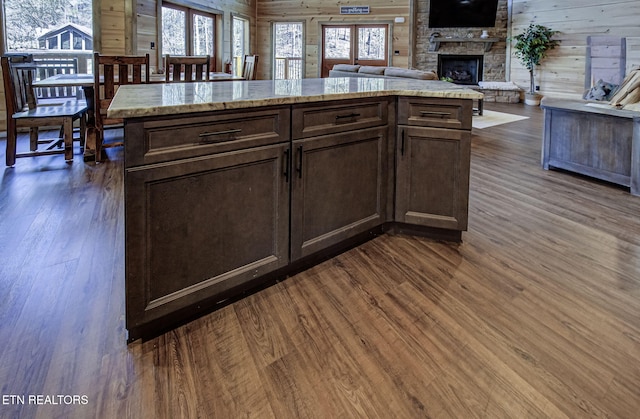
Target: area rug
x: 492, y: 118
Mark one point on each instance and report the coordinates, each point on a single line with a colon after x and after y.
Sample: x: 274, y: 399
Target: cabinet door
x: 337, y: 189
x: 432, y: 179
x: 197, y: 228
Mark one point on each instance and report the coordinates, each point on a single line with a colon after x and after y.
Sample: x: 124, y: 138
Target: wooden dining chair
x: 48, y: 67
x: 186, y: 68
x: 23, y: 111
x: 250, y: 67
x: 110, y: 72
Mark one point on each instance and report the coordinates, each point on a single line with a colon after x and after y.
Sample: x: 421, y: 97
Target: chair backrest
x: 51, y: 67
x: 17, y: 74
x: 112, y: 71
x: 250, y: 67
x: 186, y: 68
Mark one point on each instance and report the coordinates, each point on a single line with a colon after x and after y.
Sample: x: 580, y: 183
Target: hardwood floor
x: 535, y: 315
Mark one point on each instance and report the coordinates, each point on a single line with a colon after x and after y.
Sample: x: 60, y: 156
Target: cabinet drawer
x: 436, y: 112
x: 335, y: 117
x: 177, y: 138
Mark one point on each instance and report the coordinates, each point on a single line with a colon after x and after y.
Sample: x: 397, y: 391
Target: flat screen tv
x: 462, y: 13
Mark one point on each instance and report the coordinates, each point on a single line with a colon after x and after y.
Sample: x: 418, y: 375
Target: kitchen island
x: 230, y: 186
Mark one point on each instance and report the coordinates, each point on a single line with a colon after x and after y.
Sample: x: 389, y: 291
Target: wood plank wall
x: 562, y: 73
x: 313, y: 13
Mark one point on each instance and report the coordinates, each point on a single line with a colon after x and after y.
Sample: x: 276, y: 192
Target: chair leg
x: 83, y: 131
x: 33, y: 138
x: 12, y: 137
x: 99, y: 140
x: 68, y: 138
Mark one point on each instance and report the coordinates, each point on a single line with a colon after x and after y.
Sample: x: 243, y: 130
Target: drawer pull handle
x: 351, y: 115
x: 299, y: 168
x: 434, y: 113
x: 204, y: 135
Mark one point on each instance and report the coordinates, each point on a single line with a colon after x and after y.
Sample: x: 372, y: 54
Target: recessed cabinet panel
x: 199, y: 227
x: 338, y: 188
x: 432, y: 179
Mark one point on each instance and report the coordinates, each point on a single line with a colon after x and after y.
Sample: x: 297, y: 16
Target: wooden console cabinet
x: 599, y: 142
x: 216, y: 201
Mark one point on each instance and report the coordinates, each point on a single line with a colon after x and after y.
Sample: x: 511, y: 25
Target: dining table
x: 87, y: 82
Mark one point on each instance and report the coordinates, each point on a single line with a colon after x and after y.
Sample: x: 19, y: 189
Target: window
x: 287, y: 50
x: 187, y: 31
x: 28, y: 24
x: 49, y: 30
x: 239, y: 43
x: 354, y: 44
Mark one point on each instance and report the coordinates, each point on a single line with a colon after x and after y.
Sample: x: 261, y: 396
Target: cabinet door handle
x: 351, y: 115
x: 402, y: 144
x: 299, y: 168
x: 434, y: 113
x: 287, y: 161
x: 205, y: 135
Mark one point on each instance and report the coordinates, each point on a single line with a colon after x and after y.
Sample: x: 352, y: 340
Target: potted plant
x: 531, y: 47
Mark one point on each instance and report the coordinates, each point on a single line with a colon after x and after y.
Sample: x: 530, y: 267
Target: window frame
x: 273, y: 48
x: 236, y: 65
x: 325, y: 64
x: 93, y: 45
x: 191, y: 10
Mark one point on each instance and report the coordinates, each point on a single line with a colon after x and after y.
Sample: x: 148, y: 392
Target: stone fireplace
x: 462, y: 41
x: 462, y: 69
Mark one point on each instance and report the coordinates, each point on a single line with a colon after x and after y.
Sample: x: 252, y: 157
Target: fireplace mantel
x: 434, y: 43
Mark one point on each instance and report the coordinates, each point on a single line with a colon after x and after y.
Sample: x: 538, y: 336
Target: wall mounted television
x: 462, y: 13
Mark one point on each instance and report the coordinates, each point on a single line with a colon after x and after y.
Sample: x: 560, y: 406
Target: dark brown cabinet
x: 339, y: 184
x: 432, y: 166
x: 218, y: 202
x: 338, y: 188
x: 200, y: 228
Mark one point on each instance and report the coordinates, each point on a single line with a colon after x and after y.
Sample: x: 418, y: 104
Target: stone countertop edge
x: 161, y: 99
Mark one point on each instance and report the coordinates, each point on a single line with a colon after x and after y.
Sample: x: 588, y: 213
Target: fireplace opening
x: 462, y: 69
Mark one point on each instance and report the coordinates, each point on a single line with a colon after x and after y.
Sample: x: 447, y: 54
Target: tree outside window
x: 239, y: 42
x: 287, y: 48
x: 187, y: 31
x: 28, y: 20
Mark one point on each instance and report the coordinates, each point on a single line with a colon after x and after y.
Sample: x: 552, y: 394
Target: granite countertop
x: 141, y: 100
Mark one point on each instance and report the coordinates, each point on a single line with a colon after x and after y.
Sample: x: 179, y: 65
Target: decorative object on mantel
x: 485, y: 34
x: 530, y: 48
